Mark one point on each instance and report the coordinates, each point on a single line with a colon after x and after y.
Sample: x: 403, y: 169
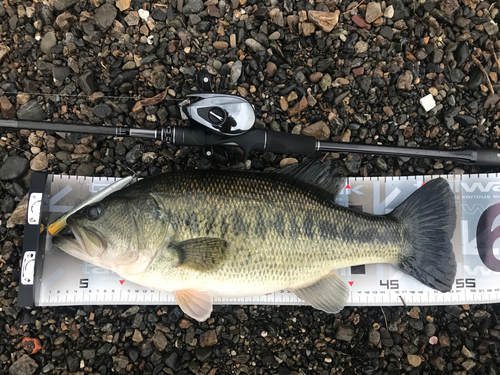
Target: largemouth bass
x: 205, y: 234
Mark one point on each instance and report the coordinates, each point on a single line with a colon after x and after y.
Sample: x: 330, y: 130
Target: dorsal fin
x: 325, y: 174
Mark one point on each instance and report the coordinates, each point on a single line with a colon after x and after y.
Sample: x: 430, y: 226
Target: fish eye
x: 94, y: 211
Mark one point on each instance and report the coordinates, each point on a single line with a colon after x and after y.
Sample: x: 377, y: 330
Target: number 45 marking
x: 390, y: 284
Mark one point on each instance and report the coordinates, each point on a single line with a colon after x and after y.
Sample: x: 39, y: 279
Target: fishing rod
x: 228, y: 120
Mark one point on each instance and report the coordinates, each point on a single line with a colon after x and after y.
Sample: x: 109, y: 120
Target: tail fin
x: 429, y: 216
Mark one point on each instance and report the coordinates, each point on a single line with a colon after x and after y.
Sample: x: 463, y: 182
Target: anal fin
x: 329, y: 294
x: 197, y: 305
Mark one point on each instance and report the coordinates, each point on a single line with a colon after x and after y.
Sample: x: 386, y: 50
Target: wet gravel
x: 340, y: 71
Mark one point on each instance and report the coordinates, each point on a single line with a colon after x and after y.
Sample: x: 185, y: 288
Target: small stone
x: 360, y: 22
x: 287, y: 161
x: 315, y: 77
x: 389, y: 12
x: 444, y: 340
x: 86, y: 82
x: 381, y: 164
x: 448, y: 7
x: 275, y: 36
x: 414, y: 312
x: 19, y: 215
x: 173, y: 361
x: 221, y: 45
x: 102, y: 111
x: 144, y: 14
x: 318, y: 130
x: 160, y: 341
x: 137, y: 336
x: 159, y: 80
x: 130, y: 311
x: 374, y: 337
x: 469, y: 365
x: 491, y: 27
x: 344, y: 333
x: 208, y: 338
x: 39, y: 162
x: 356, y: 72
x: 23, y: 366
x: 283, y: 103
x: 271, y: 69
x: 193, y: 6
x: 325, y: 82
x: 405, y: 81
x: 65, y: 21
x: 129, y: 65
x: 185, y: 324
x: 236, y: 70
x: 122, y: 4
x: 120, y: 363
x: 300, y: 106
x: 104, y: 16
x: 85, y: 169
x: 14, y: 167
x: 49, y: 40
x: 373, y: 11
x: 254, y: 45
x: 361, y: 46
x: 325, y: 20
x: 414, y: 360
x: 31, y: 111
x: 232, y: 40
x: 308, y: 28
x: 132, y: 18
x: 7, y: 109
x: 61, y: 5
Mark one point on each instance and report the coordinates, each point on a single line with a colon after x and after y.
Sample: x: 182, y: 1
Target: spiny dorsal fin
x: 201, y: 254
x: 322, y: 174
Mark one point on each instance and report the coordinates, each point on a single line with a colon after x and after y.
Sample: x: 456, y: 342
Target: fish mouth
x: 81, y: 243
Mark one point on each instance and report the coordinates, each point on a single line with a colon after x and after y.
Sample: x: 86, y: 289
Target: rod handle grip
x: 487, y: 157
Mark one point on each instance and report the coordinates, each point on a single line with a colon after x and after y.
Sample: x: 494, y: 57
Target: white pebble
x: 150, y: 39
x: 144, y: 14
x: 428, y: 102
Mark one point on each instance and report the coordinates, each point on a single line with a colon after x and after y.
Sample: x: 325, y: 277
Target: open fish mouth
x: 83, y: 244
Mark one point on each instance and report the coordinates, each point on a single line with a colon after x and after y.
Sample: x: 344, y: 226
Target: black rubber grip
x: 188, y: 136
x: 487, y: 157
x: 286, y: 143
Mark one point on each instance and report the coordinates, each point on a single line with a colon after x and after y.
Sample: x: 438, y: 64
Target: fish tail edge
x: 429, y: 217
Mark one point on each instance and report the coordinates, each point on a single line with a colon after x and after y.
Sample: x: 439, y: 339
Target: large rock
x: 326, y: 20
x: 14, y: 167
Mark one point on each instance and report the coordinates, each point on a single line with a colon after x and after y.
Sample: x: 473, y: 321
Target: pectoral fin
x: 329, y: 294
x: 201, y: 254
x: 197, y: 305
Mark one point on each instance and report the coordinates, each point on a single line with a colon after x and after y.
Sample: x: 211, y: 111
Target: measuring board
x: 50, y: 277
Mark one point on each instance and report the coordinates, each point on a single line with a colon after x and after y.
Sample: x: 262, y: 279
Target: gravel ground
x: 334, y: 70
